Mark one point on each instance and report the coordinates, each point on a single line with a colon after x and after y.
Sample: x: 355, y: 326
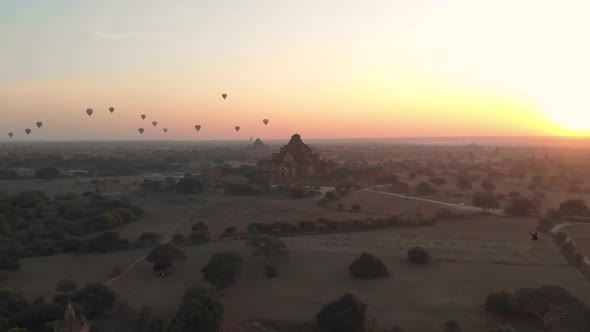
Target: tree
x: 47, y: 173
x: 485, y: 201
x: 463, y: 184
x: 267, y: 246
x: 67, y: 287
x: 229, y: 231
x: 355, y: 208
x: 452, y: 326
x: 368, y: 266
x: 200, y: 227
x: 488, y: 185
x: 521, y: 207
x: 9, y: 262
x: 34, y: 316
x: 499, y: 303
x: 95, y: 299
x: 574, y: 207
x: 347, y: 314
x: 400, y: 187
x: 438, y: 181
x: 418, y: 255
x: 424, y: 188
x: 201, y: 310
x: 222, y: 269
x: 504, y: 328
x: 163, y: 257
x: 189, y: 185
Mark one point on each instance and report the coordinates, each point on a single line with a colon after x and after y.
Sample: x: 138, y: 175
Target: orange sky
x: 324, y: 70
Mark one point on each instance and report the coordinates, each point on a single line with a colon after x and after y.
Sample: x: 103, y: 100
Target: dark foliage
x: 201, y: 310
x: 418, y: 255
x: 223, y: 269
x: 347, y: 314
x: 368, y: 266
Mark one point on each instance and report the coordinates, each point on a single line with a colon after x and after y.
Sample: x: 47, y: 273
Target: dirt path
x: 453, y: 205
x: 166, y: 239
x: 555, y: 229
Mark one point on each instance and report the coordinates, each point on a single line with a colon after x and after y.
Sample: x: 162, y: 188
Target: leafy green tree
x: 201, y: 310
x: 164, y: 256
x: 222, y: 269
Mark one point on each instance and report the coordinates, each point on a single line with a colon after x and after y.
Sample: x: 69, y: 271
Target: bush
x: 400, y: 187
x: 574, y: 207
x: 9, y: 262
x: 47, y: 173
x: 504, y: 328
x: 452, y: 326
x: 499, y: 303
x: 424, y: 188
x: 95, y: 299
x: 418, y: 255
x: 347, y: 314
x: 270, y: 271
x: 368, y: 266
x: 355, y: 208
x: 201, y: 310
x: 222, y: 269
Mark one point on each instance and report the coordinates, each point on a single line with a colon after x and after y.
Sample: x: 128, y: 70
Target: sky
x: 321, y: 68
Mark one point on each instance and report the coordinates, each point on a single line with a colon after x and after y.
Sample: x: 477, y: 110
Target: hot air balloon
x: 143, y: 116
x: 237, y: 128
x: 28, y: 131
x: 89, y: 111
x: 165, y: 130
x: 154, y: 123
x: 39, y: 124
x: 224, y: 95
x: 265, y: 121
x: 111, y: 109
x: 10, y: 134
x: 140, y: 130
x: 198, y: 127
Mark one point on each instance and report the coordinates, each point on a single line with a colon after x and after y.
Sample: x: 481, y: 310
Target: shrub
x: 9, y: 262
x: 229, y: 231
x: 347, y: 314
x: 270, y: 271
x: 355, y: 208
x: 201, y: 310
x: 504, y: 328
x: 368, y: 266
x: 574, y: 207
x: 418, y: 255
x: 499, y: 303
x: 222, y: 269
x: 452, y: 326
x: 424, y: 188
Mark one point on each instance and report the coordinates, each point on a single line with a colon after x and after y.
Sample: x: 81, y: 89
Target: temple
x: 71, y: 323
x: 294, y: 163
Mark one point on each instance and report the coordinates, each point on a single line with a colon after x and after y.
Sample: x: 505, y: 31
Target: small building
x: 294, y: 163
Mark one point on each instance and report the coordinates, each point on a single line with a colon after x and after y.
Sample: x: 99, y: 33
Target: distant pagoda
x: 294, y: 163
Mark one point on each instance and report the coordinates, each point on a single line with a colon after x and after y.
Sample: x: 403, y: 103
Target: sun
x: 571, y: 115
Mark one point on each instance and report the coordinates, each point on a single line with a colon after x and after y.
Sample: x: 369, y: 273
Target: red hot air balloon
x: 10, y: 134
x: 154, y: 123
x: 28, y: 131
x: 237, y: 128
x: 224, y: 95
x: 143, y: 116
x: 165, y: 130
x: 89, y: 111
x: 140, y: 130
x: 39, y: 124
x: 198, y: 127
x: 111, y: 109
x: 265, y: 121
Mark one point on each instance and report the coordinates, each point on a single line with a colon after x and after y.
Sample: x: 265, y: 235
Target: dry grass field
x: 469, y: 262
